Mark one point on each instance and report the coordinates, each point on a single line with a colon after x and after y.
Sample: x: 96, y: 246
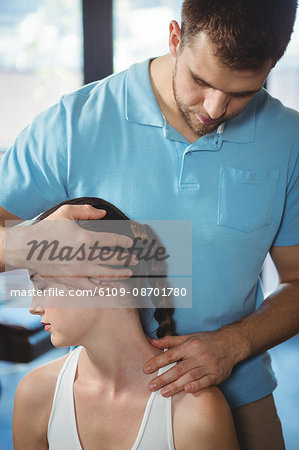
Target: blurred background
x: 51, y: 47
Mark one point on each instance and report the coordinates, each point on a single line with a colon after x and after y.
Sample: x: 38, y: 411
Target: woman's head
x: 151, y: 273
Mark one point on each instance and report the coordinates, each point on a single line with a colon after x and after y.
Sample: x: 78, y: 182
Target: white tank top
x: 155, y: 431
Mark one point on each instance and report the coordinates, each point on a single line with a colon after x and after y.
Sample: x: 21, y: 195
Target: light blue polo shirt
x: 240, y: 188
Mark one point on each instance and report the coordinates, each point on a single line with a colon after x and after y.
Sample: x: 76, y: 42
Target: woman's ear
x: 174, y: 38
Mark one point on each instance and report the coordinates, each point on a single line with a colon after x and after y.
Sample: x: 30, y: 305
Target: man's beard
x: 189, y: 116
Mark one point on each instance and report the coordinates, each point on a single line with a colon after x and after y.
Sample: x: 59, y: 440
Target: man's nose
x: 215, y: 103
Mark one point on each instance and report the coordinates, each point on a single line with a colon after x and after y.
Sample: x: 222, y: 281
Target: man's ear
x: 174, y: 38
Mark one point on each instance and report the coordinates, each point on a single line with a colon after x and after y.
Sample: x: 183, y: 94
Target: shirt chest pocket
x: 246, y: 199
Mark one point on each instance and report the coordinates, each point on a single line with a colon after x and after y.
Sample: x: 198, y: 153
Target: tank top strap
x: 155, y: 431
x: 156, y: 428
x: 62, y: 428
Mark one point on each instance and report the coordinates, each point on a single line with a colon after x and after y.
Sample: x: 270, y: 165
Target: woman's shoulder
x: 211, y: 398
x: 33, y: 403
x: 40, y: 382
x: 203, y: 417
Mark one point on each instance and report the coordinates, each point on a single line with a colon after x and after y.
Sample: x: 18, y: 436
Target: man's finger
x: 115, y: 258
x: 180, y: 385
x: 96, y: 272
x: 163, y: 360
x: 109, y: 273
x: 187, y: 379
x: 202, y: 383
x: 179, y: 372
x: 168, y: 341
x: 78, y: 212
x: 111, y: 239
x: 104, y: 238
x: 87, y: 271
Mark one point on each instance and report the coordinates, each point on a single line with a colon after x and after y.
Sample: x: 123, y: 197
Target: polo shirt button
x: 189, y: 153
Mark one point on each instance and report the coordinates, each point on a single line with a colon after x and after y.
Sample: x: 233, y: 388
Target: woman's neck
x: 115, y: 352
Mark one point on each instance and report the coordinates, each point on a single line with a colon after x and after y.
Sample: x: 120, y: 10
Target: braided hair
x: 155, y: 273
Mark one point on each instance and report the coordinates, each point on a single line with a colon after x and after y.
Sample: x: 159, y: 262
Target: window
x: 141, y: 29
x: 283, y: 84
x: 283, y: 81
x: 41, y: 58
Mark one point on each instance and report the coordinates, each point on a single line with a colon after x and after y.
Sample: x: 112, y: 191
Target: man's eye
x: 200, y: 83
x: 246, y: 94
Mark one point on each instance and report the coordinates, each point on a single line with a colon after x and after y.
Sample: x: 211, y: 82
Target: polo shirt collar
x: 141, y: 104
x: 142, y: 107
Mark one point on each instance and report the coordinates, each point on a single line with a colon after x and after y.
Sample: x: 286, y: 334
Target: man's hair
x: 245, y: 33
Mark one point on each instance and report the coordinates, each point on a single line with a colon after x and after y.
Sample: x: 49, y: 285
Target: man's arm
x: 61, y: 227
x: 4, y: 215
x: 207, y: 358
x: 277, y: 319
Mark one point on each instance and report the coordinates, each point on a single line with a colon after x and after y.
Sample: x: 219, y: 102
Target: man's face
x: 208, y: 93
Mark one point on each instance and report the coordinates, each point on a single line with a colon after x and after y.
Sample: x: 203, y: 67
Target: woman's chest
x: 103, y: 424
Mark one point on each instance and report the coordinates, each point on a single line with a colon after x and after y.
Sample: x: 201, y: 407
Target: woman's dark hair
x: 246, y: 33
x: 155, y: 273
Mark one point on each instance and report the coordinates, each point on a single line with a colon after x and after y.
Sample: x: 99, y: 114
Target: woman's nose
x: 36, y: 308
x: 215, y: 103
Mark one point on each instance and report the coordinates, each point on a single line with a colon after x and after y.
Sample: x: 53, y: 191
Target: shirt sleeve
x: 33, y: 171
x: 288, y: 232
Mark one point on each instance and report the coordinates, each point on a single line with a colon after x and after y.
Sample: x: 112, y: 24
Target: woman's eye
x: 38, y: 283
x: 39, y: 286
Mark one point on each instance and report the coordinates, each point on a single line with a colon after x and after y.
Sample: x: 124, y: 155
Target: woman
x: 97, y: 397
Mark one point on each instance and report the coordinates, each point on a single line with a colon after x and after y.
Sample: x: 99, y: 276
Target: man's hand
x: 62, y: 247
x: 207, y: 358
x: 204, y: 359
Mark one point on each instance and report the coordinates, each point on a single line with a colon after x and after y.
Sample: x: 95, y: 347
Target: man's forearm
x: 276, y: 320
x: 2, y: 248
x: 208, y: 357
x: 4, y: 264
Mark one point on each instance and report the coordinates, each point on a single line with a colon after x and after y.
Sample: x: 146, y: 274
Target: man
x: 192, y: 135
